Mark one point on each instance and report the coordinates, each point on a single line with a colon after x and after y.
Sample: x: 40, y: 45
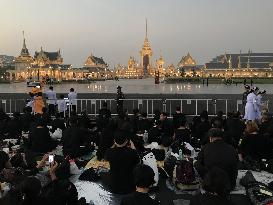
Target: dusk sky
x: 115, y: 29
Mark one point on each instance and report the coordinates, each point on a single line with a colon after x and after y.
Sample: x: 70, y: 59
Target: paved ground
x: 140, y: 86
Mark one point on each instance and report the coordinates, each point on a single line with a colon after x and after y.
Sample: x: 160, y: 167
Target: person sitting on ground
x: 60, y: 190
x: 217, y: 188
x: 31, y: 192
x: 144, y: 178
x: 39, y: 138
x: 26, y: 119
x: 57, y: 123
x: 14, y: 126
x: 217, y: 153
x: 4, y: 161
x: 177, y: 117
x: 104, y: 116
x: 144, y: 123
x: 154, y: 134
x: 254, y: 145
x: 122, y: 158
x: 182, y: 134
x: 75, y: 140
x: 234, y: 128
x: 201, y: 127
x: 46, y: 115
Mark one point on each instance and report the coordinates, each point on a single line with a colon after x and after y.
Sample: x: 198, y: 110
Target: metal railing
x: 191, y: 107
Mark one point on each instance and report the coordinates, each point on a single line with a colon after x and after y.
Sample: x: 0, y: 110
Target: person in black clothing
x: 58, y: 122
x: 76, y: 141
x: 245, y: 94
x: 135, y: 120
x: 4, y: 161
x: 144, y: 178
x: 106, y: 140
x: 154, y: 134
x: 165, y: 126
x: 39, y: 138
x: 234, y: 128
x: 120, y: 97
x: 14, y: 126
x: 26, y: 119
x: 182, y: 134
x: 254, y: 145
x: 201, y: 127
x: 177, y: 117
x: 46, y: 115
x: 217, y: 187
x: 31, y: 190
x: 122, y: 158
x: 218, y: 153
x: 104, y: 116
x: 144, y: 123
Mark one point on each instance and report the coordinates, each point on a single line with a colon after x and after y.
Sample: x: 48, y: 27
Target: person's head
x: 256, y: 90
x: 236, y: 115
x: 136, y: 112
x: 265, y: 117
x: 143, y: 176
x: 50, y: 87
x: 39, y: 94
x: 144, y: 115
x: 73, y: 120
x: 104, y: 104
x: 247, y: 88
x: 217, y: 124
x: 215, y: 134
x: 251, y: 127
x: 163, y: 116
x: 61, y: 96
x: 16, y: 115
x: 31, y: 188
x: 72, y: 90
x: 220, y: 114
x: 204, y: 115
x: 178, y: 109
x: 121, y: 138
x: 57, y: 115
x: 217, y: 181
x: 63, y: 169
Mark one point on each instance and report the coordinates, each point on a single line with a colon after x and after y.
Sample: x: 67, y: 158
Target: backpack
x: 184, y: 172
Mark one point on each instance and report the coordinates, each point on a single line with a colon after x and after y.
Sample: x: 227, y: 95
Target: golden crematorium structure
x: 145, y: 67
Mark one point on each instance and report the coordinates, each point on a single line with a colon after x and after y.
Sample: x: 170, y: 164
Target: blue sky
x: 115, y: 29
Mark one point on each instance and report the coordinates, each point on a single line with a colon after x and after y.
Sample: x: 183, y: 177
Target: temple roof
x: 52, y: 56
x: 93, y: 60
x: 187, y: 60
x: 255, y: 60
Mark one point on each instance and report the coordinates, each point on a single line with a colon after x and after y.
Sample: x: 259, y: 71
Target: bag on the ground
x: 149, y: 159
x: 184, y: 175
x: 258, y: 193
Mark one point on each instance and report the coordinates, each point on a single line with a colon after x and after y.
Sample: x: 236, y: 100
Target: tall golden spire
x: 146, y: 28
x: 24, y: 51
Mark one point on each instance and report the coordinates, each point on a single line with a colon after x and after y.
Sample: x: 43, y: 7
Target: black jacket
x: 219, y: 154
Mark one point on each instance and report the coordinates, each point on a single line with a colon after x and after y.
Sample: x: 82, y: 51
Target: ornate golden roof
x: 187, y: 60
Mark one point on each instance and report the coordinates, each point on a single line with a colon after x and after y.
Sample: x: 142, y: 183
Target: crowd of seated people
x: 221, y: 142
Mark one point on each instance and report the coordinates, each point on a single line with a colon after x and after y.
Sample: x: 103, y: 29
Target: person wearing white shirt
x: 51, y: 100
x: 62, y: 107
x: 72, y: 96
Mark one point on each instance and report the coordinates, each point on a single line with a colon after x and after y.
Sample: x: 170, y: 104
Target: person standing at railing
x: 51, y: 100
x: 245, y: 94
x: 62, y: 107
x: 120, y: 97
x: 251, y: 105
x: 72, y: 96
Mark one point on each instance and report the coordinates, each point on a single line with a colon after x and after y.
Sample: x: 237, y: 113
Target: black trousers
x: 51, y: 109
